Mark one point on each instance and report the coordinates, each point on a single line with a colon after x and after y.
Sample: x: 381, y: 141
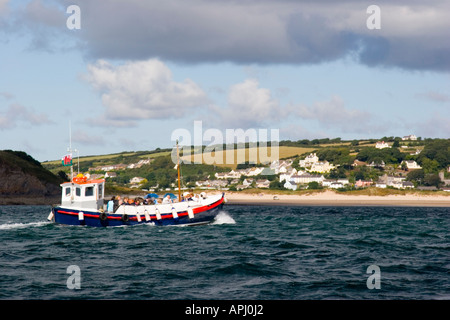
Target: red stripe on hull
x: 152, y: 217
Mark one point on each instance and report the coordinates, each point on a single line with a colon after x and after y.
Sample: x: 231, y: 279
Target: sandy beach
x: 326, y: 198
x: 330, y: 198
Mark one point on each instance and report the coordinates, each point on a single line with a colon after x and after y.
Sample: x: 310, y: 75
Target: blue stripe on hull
x: 72, y: 219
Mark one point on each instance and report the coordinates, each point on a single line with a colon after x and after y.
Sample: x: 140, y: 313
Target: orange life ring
x: 80, y: 178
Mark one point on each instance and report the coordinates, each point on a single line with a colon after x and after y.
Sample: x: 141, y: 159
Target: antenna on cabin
x: 70, y: 150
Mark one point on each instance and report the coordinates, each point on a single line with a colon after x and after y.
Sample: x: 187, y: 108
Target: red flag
x: 67, y: 160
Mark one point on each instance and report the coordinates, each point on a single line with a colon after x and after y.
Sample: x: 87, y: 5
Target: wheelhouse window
x: 67, y: 191
x: 89, y: 191
x: 78, y: 192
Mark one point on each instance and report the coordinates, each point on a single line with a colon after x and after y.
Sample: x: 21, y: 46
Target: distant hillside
x: 126, y: 157
x: 252, y: 154
x: 24, y: 180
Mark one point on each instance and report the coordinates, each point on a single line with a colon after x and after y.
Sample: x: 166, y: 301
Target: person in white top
x: 167, y: 199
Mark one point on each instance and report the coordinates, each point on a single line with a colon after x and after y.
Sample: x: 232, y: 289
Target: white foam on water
x: 9, y: 226
x: 224, y: 218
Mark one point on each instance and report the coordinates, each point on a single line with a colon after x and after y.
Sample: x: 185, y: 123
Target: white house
x: 218, y: 183
x: 381, y: 184
x: 203, y: 183
x: 233, y: 175
x: 281, y: 166
x: 381, y: 145
x: 328, y: 182
x: 411, y: 164
x: 321, y: 166
x: 344, y: 181
x: 336, y: 185
x: 309, y: 160
x: 136, y: 180
x: 291, y: 185
x: 230, y: 175
x: 262, y: 183
x: 234, y: 181
x: 110, y: 175
x: 254, y: 171
x: 94, y: 176
x: 396, y: 184
x: 220, y: 175
x: 287, y: 175
x: 377, y: 164
x: 410, y: 137
x: 307, y: 178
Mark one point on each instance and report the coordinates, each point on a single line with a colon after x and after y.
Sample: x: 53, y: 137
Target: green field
x: 231, y: 158
x: 111, y: 158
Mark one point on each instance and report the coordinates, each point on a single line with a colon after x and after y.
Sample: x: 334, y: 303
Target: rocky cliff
x: 24, y: 180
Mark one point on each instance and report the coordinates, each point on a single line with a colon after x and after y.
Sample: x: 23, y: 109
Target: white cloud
x: 248, y: 106
x: 17, y: 113
x: 330, y: 112
x: 333, y: 114
x: 143, y: 90
x: 84, y: 138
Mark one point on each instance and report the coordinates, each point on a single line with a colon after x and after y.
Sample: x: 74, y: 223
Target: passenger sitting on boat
x: 125, y: 201
x: 138, y: 201
x: 110, y: 206
x: 130, y: 201
x: 167, y: 200
x: 188, y: 196
x: 117, y: 203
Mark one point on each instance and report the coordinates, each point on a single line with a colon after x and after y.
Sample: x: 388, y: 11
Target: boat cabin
x: 82, y: 193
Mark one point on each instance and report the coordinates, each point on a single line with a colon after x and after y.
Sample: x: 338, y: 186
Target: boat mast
x: 178, y: 168
x: 70, y: 148
x: 70, y: 151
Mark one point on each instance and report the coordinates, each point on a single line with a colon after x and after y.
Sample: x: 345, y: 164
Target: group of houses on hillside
x: 311, y: 170
x: 121, y: 166
x: 236, y: 183
x: 292, y: 177
x: 311, y: 163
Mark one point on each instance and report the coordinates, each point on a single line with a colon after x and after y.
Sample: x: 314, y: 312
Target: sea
x: 248, y: 253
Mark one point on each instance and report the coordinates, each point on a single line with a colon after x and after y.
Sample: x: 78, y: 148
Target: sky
x: 125, y: 75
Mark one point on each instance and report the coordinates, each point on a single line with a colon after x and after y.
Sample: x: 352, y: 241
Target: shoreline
x: 329, y: 198
x: 326, y: 198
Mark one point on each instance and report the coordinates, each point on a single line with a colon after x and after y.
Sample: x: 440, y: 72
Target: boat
x: 83, y: 203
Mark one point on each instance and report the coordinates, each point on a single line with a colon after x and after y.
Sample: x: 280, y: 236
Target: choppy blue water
x: 250, y: 252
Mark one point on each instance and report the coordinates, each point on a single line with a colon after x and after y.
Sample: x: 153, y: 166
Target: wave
x: 224, y: 218
x: 9, y: 226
